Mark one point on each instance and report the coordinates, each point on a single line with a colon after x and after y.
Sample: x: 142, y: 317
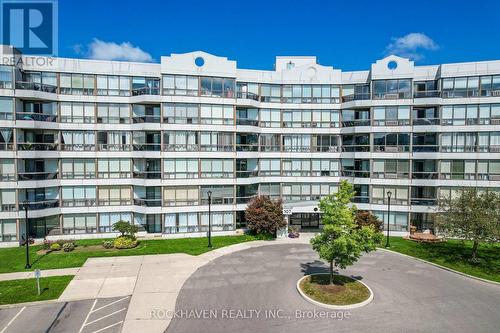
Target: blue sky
x: 344, y: 34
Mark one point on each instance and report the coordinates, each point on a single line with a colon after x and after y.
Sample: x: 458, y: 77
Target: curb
x: 442, y: 267
x: 335, y: 307
x: 19, y: 305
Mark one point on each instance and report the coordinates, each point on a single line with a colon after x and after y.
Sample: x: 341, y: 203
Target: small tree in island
x: 264, y: 215
x: 470, y: 215
x: 342, y: 241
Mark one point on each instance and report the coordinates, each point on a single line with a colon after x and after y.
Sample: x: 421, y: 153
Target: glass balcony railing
x: 36, y: 86
x: 36, y: 116
x: 37, y: 175
x: 427, y: 94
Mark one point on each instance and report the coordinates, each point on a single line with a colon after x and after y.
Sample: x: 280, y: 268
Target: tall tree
x: 471, y: 215
x: 341, y: 242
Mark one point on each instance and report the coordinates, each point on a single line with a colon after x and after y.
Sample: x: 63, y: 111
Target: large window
x: 221, y: 194
x: 490, y: 85
x: 76, y: 84
x: 7, y: 200
x: 270, y: 93
x: 217, y: 87
x: 458, y: 169
x: 5, y: 77
x: 321, y: 94
x: 325, y: 143
x: 297, y: 143
x: 78, y: 140
x: 461, y: 87
x: 216, y: 114
x: 247, y: 90
x: 7, y: 169
x: 425, y: 142
x: 180, y: 141
x: 73, y: 112
x: 180, y: 85
x: 356, y: 168
x: 399, y: 195
x: 113, y: 85
x: 114, y: 195
x: 146, y: 113
x: 180, y: 168
x: 79, y: 224
x: 307, y: 192
x: 106, y: 220
x: 181, y: 113
x: 8, y: 230
x: 44, y: 226
x: 145, y: 86
x: 216, y: 141
x: 113, y: 113
x: 391, y: 168
x: 391, y: 115
x: 221, y: 221
x: 391, y: 142
x: 270, y: 118
x: 40, y: 81
x: 7, y: 140
x: 114, y: 167
x: 269, y: 167
x: 181, y: 222
x: 272, y: 190
x: 397, y: 221
x: 270, y: 142
x: 180, y: 196
x: 217, y: 168
x: 78, y: 196
x: 356, y: 142
x: 78, y: 168
x: 392, y: 89
x: 6, y: 108
x: 114, y: 141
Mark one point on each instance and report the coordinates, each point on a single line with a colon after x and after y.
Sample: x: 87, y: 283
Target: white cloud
x: 125, y: 51
x: 411, y: 46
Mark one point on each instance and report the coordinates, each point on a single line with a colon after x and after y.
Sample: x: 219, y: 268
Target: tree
x: 471, y: 215
x: 125, y: 228
x: 265, y: 215
x: 366, y: 218
x: 341, y: 242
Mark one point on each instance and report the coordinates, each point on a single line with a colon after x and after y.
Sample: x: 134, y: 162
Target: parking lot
x: 86, y: 316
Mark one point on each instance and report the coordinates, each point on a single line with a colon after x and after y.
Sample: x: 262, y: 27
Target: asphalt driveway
x: 254, y: 291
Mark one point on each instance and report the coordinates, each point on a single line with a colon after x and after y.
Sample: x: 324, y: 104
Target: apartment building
x: 85, y: 143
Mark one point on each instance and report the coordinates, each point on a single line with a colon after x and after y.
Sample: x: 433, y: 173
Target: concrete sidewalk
x: 45, y: 273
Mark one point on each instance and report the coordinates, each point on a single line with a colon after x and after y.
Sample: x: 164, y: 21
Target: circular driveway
x: 254, y: 291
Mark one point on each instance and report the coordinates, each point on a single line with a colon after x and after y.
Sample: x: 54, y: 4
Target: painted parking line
x: 112, y: 325
x: 105, y: 306
x: 88, y: 315
x: 13, y: 319
x: 105, y: 317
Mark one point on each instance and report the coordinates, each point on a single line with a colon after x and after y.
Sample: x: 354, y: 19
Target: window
x: 113, y: 113
x: 221, y: 221
x: 76, y: 84
x: 269, y: 167
x: 180, y: 168
x: 461, y: 87
x: 145, y: 86
x: 306, y: 192
x: 5, y: 77
x: 355, y: 118
x: 8, y: 230
x: 106, y: 220
x: 270, y: 118
x: 78, y: 168
x: 73, y: 112
x: 272, y: 190
x: 217, y: 87
x: 44, y: 226
x: 180, y: 113
x: 7, y: 139
x: 399, y: 195
x: 270, y: 93
x: 149, y: 196
x: 78, y: 140
x: 247, y: 117
x: 397, y: 221
x: 391, y: 168
x: 180, y: 141
x: 79, y: 224
x: 7, y: 169
x: 356, y: 143
x: 142, y: 113
x: 216, y: 114
x: 114, y: 195
x: 113, y: 167
x: 319, y: 94
x: 78, y: 196
x: 180, y: 196
x: 6, y: 108
x: 391, y: 116
x: 113, y: 141
x: 325, y: 167
x: 216, y: 141
x: 297, y: 143
x: 7, y: 200
x: 461, y: 142
x: 297, y: 167
x: 221, y: 195
x: 270, y: 142
x: 113, y: 85
x: 247, y: 90
x: 180, y: 85
x: 356, y: 168
x: 391, y: 89
x: 425, y: 142
x: 325, y: 143
x: 217, y: 168
x: 391, y: 142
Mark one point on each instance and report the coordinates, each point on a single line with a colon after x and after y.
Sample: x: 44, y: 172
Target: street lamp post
x: 209, y: 218
x: 389, y: 193
x: 27, y: 238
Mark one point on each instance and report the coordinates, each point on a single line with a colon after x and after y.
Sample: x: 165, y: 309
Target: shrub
x: 55, y: 247
x: 46, y: 244
x: 125, y: 228
x: 365, y: 218
x: 293, y: 232
x: 264, y: 215
x: 107, y: 244
x: 68, y: 247
x: 125, y: 242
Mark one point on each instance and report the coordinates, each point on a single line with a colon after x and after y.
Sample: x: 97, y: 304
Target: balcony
x: 391, y: 175
x: 146, y: 119
x: 114, y: 147
x: 147, y: 202
x: 43, y: 204
x: 79, y: 202
x: 6, y: 146
x: 391, y: 149
x: 147, y: 174
x: 78, y: 147
x: 37, y: 175
x: 36, y: 86
x: 424, y: 175
x: 180, y: 147
x: 427, y: 94
x: 425, y: 149
x: 247, y: 95
x: 425, y: 121
x: 247, y: 174
x: 356, y: 173
x: 218, y: 201
x: 247, y: 122
x: 423, y: 201
x: 37, y: 146
x: 356, y: 122
x: 250, y: 147
x: 146, y: 91
x: 147, y: 147
x: 36, y: 116
x: 7, y: 177
x: 356, y: 97
x: 216, y: 148
x: 396, y: 95
x: 353, y: 148
x: 392, y: 122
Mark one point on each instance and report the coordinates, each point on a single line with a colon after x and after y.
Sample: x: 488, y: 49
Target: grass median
x: 20, y: 291
x: 454, y: 254
x: 14, y: 259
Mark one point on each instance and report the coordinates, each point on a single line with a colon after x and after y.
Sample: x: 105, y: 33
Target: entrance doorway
x: 305, y: 221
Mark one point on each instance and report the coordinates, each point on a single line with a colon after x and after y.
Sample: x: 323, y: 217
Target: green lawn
x: 454, y: 254
x: 14, y: 259
x: 20, y: 291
